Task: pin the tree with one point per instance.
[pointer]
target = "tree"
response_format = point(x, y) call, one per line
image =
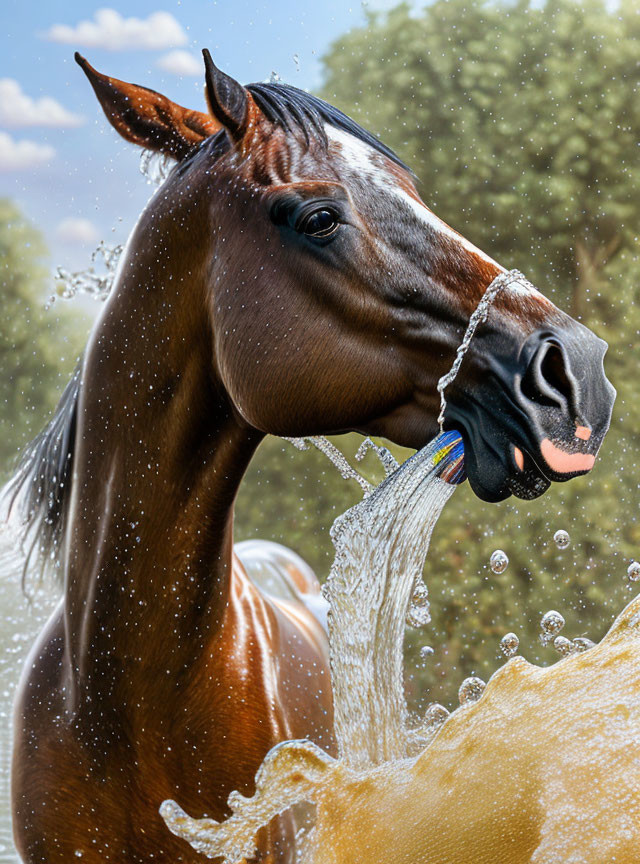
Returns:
point(38, 348)
point(520, 120)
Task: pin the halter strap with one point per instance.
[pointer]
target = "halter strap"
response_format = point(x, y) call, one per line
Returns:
point(480, 315)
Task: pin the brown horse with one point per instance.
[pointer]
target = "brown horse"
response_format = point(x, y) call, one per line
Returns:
point(285, 279)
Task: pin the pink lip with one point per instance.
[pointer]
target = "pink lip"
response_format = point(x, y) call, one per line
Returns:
point(565, 463)
point(517, 452)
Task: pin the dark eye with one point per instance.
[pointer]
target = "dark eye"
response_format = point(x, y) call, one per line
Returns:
point(320, 223)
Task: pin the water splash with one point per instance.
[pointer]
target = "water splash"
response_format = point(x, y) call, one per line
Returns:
point(335, 456)
point(95, 280)
point(381, 545)
point(156, 167)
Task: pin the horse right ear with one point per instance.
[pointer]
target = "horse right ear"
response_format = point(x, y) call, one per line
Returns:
point(228, 101)
point(147, 118)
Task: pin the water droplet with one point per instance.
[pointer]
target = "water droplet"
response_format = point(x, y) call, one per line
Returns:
point(509, 644)
point(78, 853)
point(436, 714)
point(633, 571)
point(498, 561)
point(418, 613)
point(551, 624)
point(563, 645)
point(426, 651)
point(581, 644)
point(561, 539)
point(471, 690)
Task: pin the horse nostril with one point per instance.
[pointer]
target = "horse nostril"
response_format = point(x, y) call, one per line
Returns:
point(547, 380)
point(554, 373)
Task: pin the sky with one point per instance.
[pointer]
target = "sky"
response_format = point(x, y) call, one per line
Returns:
point(60, 160)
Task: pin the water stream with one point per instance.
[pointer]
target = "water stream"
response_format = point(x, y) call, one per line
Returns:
point(375, 583)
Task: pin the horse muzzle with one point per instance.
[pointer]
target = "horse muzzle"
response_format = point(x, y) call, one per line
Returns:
point(531, 413)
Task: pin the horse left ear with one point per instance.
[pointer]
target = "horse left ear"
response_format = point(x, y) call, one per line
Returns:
point(228, 100)
point(147, 118)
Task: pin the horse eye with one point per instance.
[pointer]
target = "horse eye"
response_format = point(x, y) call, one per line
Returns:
point(320, 223)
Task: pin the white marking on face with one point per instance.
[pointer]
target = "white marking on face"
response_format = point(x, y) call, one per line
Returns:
point(359, 156)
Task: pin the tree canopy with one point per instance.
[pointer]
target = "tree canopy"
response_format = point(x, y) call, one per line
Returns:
point(38, 348)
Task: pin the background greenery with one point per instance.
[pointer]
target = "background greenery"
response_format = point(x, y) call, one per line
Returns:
point(522, 123)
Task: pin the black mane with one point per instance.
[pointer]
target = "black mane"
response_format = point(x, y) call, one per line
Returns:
point(288, 107)
point(38, 493)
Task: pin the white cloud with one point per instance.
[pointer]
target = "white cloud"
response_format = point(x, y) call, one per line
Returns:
point(181, 63)
point(18, 155)
point(111, 31)
point(18, 109)
point(74, 231)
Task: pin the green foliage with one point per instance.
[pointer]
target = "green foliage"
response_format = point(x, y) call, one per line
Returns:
point(519, 119)
point(522, 123)
point(38, 349)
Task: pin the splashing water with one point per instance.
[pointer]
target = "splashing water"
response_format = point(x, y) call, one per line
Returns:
point(156, 167)
point(335, 456)
point(381, 546)
point(92, 282)
point(97, 279)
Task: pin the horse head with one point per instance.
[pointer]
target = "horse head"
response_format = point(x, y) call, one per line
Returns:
point(336, 299)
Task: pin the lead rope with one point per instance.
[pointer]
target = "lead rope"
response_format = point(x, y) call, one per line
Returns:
point(502, 281)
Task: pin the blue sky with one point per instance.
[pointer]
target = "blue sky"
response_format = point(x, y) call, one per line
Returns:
point(60, 161)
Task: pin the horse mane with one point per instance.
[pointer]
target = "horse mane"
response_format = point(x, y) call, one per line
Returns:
point(289, 107)
point(38, 494)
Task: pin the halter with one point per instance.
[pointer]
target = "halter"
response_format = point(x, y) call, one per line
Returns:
point(480, 315)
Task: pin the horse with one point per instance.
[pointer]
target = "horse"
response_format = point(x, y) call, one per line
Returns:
point(285, 279)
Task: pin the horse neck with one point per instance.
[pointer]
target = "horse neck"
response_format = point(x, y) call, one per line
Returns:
point(159, 459)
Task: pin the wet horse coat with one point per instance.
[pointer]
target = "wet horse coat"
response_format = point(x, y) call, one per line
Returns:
point(285, 279)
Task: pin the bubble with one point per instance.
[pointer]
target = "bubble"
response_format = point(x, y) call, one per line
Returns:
point(561, 539)
point(471, 690)
point(418, 613)
point(436, 714)
point(551, 624)
point(426, 651)
point(563, 645)
point(509, 644)
point(498, 561)
point(581, 644)
point(633, 571)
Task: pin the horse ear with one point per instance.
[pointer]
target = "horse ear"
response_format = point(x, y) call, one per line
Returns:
point(228, 101)
point(147, 118)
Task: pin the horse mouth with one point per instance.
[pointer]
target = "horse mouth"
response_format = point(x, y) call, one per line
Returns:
point(497, 468)
point(529, 480)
